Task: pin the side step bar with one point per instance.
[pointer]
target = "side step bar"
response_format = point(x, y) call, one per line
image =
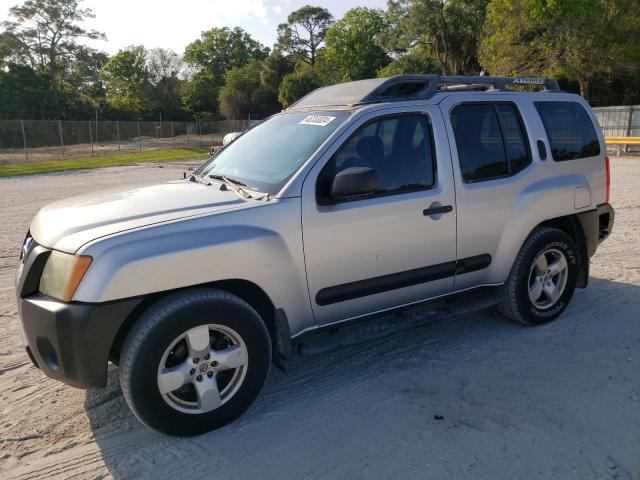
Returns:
point(381, 325)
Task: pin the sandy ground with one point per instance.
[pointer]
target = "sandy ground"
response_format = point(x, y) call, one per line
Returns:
point(560, 401)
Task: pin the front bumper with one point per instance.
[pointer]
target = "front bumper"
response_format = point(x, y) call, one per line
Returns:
point(71, 342)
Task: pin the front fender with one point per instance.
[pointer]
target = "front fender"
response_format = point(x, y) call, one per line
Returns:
point(262, 245)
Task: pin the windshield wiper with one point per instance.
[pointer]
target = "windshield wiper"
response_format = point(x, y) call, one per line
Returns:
point(233, 184)
point(227, 179)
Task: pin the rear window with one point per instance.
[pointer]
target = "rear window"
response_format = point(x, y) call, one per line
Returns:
point(569, 129)
point(490, 140)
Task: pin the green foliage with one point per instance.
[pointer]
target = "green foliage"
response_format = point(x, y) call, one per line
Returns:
point(126, 78)
point(44, 34)
point(236, 94)
point(221, 49)
point(304, 32)
point(351, 51)
point(215, 53)
point(253, 88)
point(576, 39)
point(46, 71)
point(296, 85)
point(274, 68)
point(448, 30)
point(414, 62)
point(24, 93)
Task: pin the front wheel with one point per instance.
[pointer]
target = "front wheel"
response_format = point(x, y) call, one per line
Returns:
point(194, 361)
point(542, 279)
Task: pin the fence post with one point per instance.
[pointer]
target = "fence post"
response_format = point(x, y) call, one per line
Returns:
point(24, 142)
point(91, 137)
point(173, 141)
point(629, 125)
point(200, 132)
point(139, 139)
point(188, 136)
point(61, 138)
point(118, 133)
point(158, 136)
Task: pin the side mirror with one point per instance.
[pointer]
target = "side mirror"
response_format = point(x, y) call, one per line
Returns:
point(354, 181)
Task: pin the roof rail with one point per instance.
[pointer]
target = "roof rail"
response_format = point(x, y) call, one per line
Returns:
point(410, 87)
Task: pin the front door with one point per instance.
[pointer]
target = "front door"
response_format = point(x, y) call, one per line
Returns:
point(394, 246)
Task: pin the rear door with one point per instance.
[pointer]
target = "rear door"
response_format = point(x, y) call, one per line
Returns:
point(379, 251)
point(491, 137)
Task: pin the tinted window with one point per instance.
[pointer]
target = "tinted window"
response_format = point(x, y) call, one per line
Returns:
point(515, 144)
point(569, 129)
point(490, 140)
point(400, 149)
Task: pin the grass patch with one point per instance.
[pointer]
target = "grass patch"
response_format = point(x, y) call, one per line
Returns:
point(106, 161)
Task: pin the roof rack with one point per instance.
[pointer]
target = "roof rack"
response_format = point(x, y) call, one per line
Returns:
point(411, 87)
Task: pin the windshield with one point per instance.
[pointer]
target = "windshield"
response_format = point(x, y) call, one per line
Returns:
point(266, 156)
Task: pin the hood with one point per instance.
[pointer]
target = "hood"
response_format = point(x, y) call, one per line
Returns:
point(68, 224)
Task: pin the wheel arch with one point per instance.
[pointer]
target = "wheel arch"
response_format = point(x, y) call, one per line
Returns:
point(571, 225)
point(274, 319)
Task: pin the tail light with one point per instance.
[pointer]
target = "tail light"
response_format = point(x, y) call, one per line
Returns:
point(608, 169)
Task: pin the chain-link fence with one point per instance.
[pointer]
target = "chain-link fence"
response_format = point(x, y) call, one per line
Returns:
point(620, 122)
point(40, 140)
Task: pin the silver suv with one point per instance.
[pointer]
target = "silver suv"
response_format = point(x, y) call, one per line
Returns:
point(361, 198)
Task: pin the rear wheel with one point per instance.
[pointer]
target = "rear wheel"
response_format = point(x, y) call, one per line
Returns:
point(194, 361)
point(542, 279)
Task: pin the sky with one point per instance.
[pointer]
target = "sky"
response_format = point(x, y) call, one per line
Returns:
point(173, 24)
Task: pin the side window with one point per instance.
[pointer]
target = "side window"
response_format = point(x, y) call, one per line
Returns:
point(569, 129)
point(400, 149)
point(490, 140)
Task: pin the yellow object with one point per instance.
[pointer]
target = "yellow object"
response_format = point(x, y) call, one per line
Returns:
point(622, 140)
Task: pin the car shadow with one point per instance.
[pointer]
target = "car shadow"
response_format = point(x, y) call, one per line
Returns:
point(455, 397)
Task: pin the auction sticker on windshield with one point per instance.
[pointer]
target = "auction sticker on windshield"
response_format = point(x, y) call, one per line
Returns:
point(318, 120)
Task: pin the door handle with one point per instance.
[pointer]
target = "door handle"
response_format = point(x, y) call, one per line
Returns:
point(437, 210)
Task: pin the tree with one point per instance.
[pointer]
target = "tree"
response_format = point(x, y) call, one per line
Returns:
point(576, 39)
point(211, 56)
point(415, 61)
point(126, 78)
point(163, 64)
point(351, 51)
point(24, 92)
point(253, 88)
point(296, 85)
point(448, 31)
point(304, 32)
point(274, 68)
point(236, 94)
point(48, 31)
point(166, 73)
point(221, 49)
point(85, 91)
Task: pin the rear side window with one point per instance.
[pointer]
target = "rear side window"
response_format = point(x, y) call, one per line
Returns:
point(490, 140)
point(569, 129)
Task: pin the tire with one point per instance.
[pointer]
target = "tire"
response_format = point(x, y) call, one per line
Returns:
point(527, 279)
point(163, 349)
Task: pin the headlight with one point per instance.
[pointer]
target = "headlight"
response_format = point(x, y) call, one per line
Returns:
point(62, 274)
